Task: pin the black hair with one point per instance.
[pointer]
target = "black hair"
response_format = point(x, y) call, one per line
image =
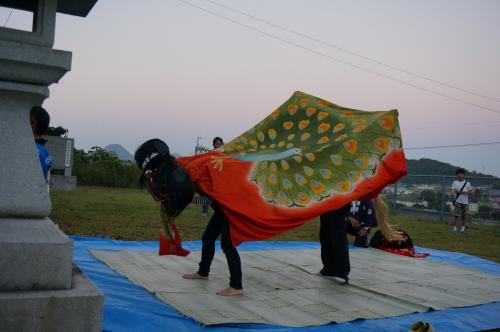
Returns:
point(460, 171)
point(42, 119)
point(163, 177)
point(148, 150)
point(217, 139)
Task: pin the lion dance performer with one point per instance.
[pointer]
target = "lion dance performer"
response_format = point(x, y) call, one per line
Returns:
point(306, 158)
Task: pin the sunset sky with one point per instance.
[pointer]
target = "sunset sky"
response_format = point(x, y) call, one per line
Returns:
point(161, 68)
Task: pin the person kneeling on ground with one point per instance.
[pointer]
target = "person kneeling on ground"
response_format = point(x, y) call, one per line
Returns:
point(361, 220)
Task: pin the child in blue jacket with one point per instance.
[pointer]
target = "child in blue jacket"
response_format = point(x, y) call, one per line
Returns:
point(40, 120)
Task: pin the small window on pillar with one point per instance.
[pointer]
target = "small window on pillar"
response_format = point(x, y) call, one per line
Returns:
point(18, 15)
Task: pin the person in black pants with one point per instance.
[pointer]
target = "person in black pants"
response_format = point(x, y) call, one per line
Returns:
point(219, 225)
point(333, 239)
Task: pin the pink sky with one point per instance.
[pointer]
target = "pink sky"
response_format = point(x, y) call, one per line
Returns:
point(170, 71)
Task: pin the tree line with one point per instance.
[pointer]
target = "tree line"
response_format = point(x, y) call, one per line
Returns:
point(99, 167)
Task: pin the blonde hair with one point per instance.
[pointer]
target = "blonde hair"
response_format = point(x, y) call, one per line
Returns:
point(382, 213)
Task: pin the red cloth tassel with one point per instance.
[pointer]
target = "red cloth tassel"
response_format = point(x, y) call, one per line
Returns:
point(410, 252)
point(171, 246)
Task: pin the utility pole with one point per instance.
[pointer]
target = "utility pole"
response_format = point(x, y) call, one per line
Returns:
point(443, 198)
point(197, 144)
point(395, 202)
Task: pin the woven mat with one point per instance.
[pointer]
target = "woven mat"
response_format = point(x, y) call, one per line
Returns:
point(282, 286)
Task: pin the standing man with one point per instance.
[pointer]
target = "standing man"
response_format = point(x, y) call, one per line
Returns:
point(334, 248)
point(462, 189)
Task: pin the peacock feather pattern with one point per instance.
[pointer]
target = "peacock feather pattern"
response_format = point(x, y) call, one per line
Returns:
point(309, 149)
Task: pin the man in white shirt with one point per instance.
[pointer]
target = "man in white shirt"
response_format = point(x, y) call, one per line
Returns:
point(462, 189)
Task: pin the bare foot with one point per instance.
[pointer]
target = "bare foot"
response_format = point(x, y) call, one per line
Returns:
point(230, 292)
point(194, 276)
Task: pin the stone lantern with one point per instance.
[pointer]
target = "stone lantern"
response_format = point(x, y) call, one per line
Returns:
point(40, 289)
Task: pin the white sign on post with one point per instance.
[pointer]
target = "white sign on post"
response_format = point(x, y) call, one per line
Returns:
point(67, 161)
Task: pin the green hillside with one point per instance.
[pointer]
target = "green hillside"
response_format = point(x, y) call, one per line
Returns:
point(426, 166)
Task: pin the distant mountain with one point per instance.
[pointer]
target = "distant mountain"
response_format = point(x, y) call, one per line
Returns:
point(436, 167)
point(123, 154)
point(120, 151)
point(426, 166)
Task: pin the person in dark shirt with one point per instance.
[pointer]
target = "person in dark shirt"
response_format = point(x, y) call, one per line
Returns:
point(361, 220)
point(217, 142)
point(39, 121)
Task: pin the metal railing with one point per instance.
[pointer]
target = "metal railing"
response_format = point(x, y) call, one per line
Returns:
point(431, 196)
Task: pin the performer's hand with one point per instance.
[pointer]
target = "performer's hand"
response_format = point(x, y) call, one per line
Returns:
point(401, 237)
point(353, 222)
point(363, 231)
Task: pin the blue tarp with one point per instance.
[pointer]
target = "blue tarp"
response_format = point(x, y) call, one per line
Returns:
point(128, 307)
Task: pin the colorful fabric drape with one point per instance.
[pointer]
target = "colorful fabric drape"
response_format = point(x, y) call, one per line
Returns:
point(409, 252)
point(307, 157)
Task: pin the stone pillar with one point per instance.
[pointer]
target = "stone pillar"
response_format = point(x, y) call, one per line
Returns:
point(39, 287)
point(23, 192)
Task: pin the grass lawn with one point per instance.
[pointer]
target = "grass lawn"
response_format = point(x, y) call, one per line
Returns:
point(130, 214)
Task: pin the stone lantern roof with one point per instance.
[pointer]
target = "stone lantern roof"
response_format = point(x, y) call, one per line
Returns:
point(39, 288)
point(71, 7)
point(44, 19)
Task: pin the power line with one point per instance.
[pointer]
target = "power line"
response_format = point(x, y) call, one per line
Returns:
point(451, 146)
point(408, 72)
point(451, 125)
point(8, 17)
point(286, 41)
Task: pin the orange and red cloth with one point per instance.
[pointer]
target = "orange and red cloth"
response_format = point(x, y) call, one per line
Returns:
point(307, 157)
